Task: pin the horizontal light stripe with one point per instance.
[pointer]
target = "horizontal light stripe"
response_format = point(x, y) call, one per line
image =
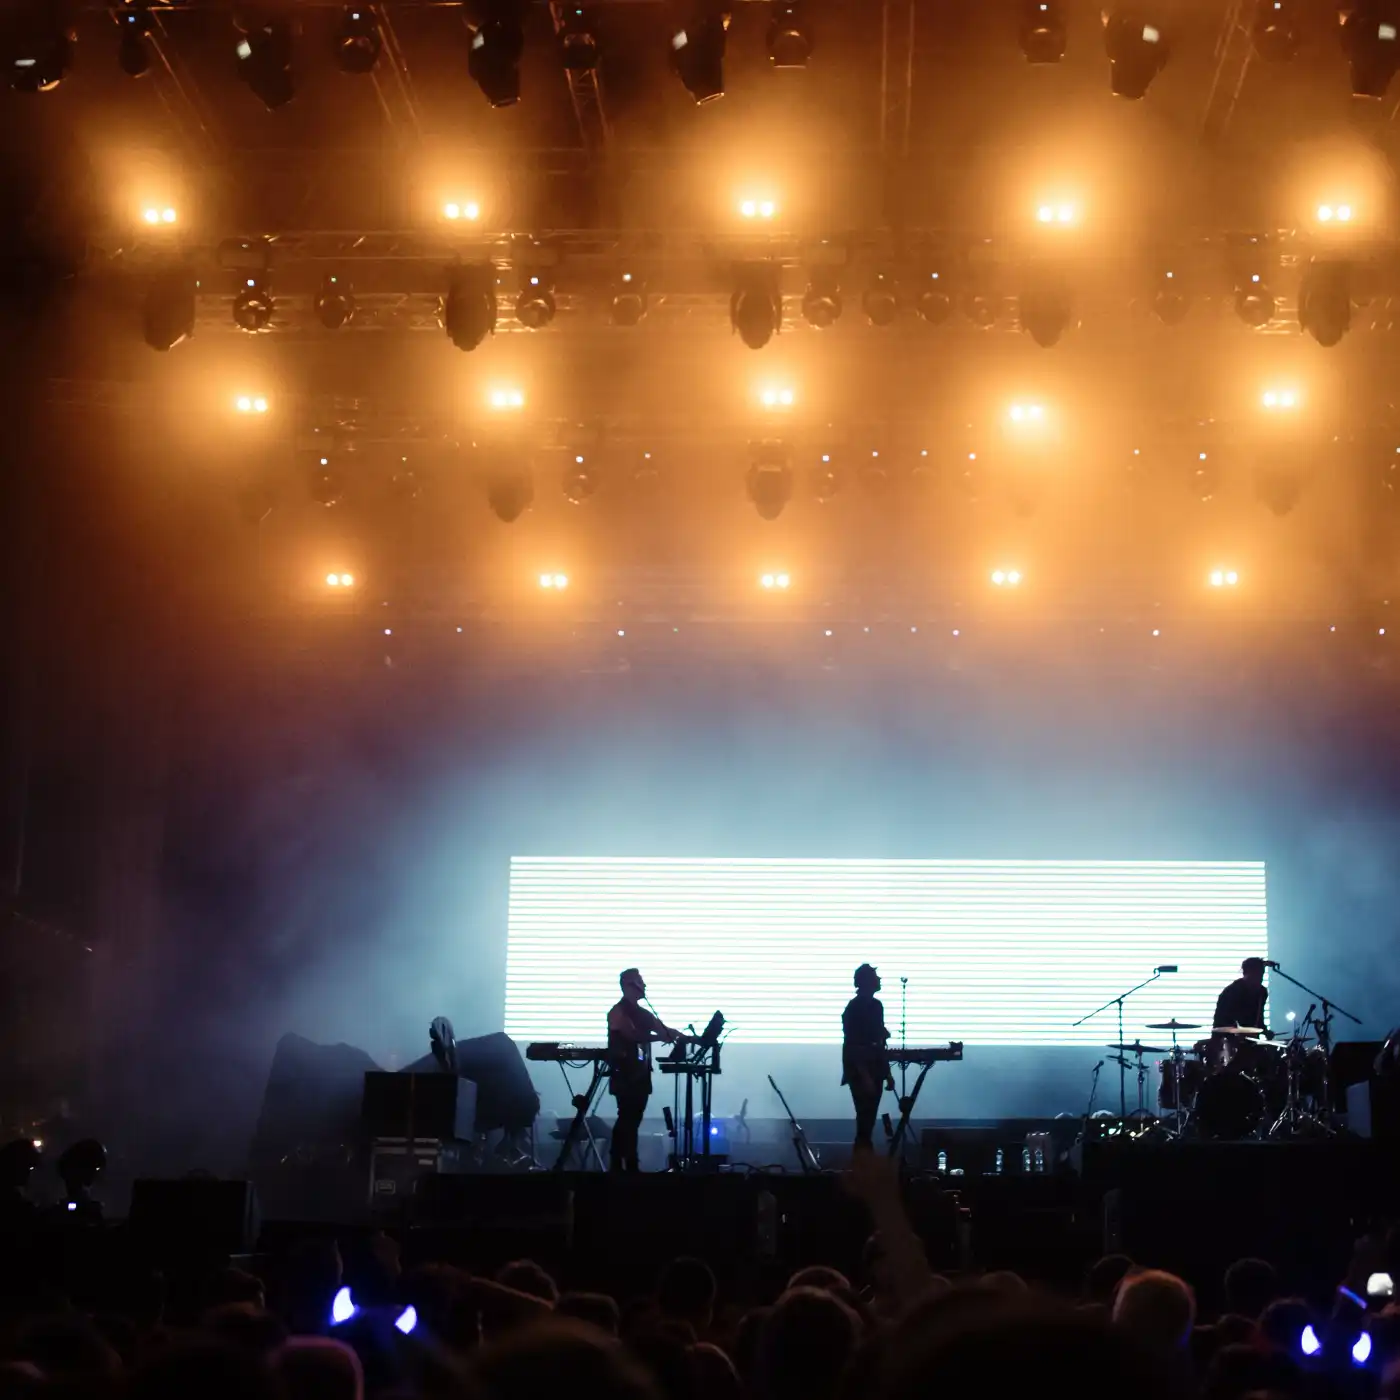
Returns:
point(996, 952)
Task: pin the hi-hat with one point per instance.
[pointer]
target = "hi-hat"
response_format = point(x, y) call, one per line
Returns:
point(1136, 1047)
point(1236, 1030)
point(1173, 1025)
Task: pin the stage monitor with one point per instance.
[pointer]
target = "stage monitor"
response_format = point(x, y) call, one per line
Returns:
point(997, 952)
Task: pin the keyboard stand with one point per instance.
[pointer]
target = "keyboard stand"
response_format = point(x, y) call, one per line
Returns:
point(583, 1108)
point(906, 1110)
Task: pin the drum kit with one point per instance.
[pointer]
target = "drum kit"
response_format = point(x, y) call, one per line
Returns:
point(1238, 1082)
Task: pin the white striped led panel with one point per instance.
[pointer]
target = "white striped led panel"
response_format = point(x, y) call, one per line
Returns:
point(996, 952)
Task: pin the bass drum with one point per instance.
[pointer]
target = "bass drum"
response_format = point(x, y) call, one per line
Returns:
point(1229, 1105)
point(1191, 1073)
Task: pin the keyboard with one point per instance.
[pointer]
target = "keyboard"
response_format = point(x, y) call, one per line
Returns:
point(553, 1050)
point(926, 1055)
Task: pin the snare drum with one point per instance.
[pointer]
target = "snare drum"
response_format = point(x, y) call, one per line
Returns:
point(1190, 1073)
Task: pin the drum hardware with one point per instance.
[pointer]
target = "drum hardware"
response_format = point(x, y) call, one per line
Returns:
point(1293, 1121)
point(1174, 1069)
point(1323, 1027)
point(1137, 1050)
point(1118, 1002)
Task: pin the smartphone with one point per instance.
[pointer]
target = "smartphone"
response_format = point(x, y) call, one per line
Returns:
point(1380, 1286)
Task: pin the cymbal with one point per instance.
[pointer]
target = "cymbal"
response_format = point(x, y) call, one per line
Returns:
point(1236, 1030)
point(1173, 1025)
point(1138, 1048)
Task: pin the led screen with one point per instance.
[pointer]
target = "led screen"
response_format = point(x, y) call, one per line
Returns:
point(995, 952)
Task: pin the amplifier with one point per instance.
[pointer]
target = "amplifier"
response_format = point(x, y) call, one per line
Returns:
point(399, 1166)
point(439, 1107)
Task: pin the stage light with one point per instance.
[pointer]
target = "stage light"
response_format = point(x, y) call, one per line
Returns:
point(768, 480)
point(1026, 413)
point(697, 52)
point(160, 217)
point(1329, 213)
point(775, 582)
point(497, 44)
point(1137, 50)
point(134, 24)
point(629, 300)
point(789, 42)
point(821, 303)
point(264, 53)
point(756, 304)
point(1061, 214)
point(1006, 578)
point(1254, 301)
point(1276, 30)
point(167, 315)
point(1169, 297)
point(503, 400)
point(470, 211)
point(1224, 578)
point(777, 398)
point(252, 306)
point(554, 582)
point(1324, 301)
point(1042, 31)
point(250, 403)
point(935, 302)
point(41, 51)
point(578, 41)
point(340, 580)
point(763, 209)
point(1279, 400)
point(469, 308)
point(880, 301)
point(580, 479)
point(510, 494)
point(534, 304)
point(1371, 38)
point(358, 42)
point(1046, 308)
point(335, 302)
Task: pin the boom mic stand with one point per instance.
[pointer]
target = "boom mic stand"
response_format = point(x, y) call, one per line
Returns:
point(1324, 1034)
point(1122, 1059)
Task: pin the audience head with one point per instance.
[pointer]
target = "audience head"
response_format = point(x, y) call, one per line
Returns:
point(245, 1326)
point(1104, 1276)
point(208, 1369)
point(525, 1276)
point(1250, 1286)
point(805, 1346)
point(596, 1309)
point(1156, 1308)
point(713, 1373)
point(1238, 1370)
point(318, 1368)
point(686, 1292)
point(819, 1276)
point(561, 1357)
point(1281, 1323)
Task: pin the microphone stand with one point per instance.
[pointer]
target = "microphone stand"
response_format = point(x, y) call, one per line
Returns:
point(1122, 1059)
point(1324, 1032)
point(903, 1035)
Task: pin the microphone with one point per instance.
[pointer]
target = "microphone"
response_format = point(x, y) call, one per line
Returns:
point(1165, 967)
point(1098, 1066)
point(1269, 963)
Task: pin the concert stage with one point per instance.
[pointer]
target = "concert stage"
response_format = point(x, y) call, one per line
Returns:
point(1193, 1207)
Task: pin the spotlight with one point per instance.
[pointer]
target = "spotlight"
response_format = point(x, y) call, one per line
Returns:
point(510, 495)
point(469, 308)
point(821, 303)
point(1324, 301)
point(1046, 309)
point(250, 403)
point(335, 302)
point(769, 478)
point(534, 305)
point(1224, 578)
point(756, 304)
point(1330, 213)
point(167, 316)
point(497, 43)
point(777, 398)
point(134, 24)
point(935, 299)
point(826, 480)
point(555, 582)
point(327, 485)
point(340, 580)
point(159, 218)
point(580, 479)
point(697, 52)
point(1279, 400)
point(779, 583)
point(1026, 413)
point(789, 44)
point(1042, 31)
point(880, 301)
point(1276, 31)
point(1371, 38)
point(252, 306)
point(504, 400)
point(757, 208)
point(1006, 578)
point(41, 53)
point(265, 61)
point(1169, 297)
point(1254, 301)
point(470, 211)
point(1137, 50)
point(358, 42)
point(629, 300)
point(578, 41)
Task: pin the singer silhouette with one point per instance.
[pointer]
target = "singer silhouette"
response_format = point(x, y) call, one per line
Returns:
point(631, 1031)
point(865, 1065)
